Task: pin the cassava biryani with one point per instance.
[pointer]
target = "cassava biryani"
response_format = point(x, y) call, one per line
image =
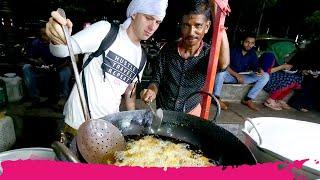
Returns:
point(150, 151)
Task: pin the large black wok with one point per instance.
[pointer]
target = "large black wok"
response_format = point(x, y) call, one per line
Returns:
point(214, 141)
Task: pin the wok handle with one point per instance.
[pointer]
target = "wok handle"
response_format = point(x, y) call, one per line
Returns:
point(63, 153)
point(255, 128)
point(209, 94)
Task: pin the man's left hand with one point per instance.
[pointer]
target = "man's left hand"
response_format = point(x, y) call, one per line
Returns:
point(260, 72)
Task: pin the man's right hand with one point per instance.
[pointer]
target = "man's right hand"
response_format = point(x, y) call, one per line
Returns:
point(36, 61)
point(54, 30)
point(148, 95)
point(239, 78)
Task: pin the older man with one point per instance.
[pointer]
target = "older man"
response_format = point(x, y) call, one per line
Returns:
point(182, 67)
point(123, 58)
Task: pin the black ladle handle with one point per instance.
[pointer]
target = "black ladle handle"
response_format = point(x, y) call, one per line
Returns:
point(63, 153)
point(218, 111)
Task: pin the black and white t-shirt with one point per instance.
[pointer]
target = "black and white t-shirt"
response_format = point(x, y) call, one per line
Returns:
point(104, 94)
point(177, 78)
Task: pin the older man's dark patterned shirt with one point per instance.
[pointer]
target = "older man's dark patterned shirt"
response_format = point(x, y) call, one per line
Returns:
point(177, 78)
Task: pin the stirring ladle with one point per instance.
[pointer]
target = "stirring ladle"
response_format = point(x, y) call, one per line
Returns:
point(97, 139)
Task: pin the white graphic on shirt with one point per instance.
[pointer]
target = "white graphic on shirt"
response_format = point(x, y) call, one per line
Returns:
point(119, 67)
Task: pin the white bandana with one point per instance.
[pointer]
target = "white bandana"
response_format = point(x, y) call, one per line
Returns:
point(149, 7)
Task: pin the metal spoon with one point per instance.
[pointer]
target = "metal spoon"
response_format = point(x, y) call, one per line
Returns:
point(157, 117)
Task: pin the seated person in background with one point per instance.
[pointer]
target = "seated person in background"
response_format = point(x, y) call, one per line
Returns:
point(243, 59)
point(281, 83)
point(307, 61)
point(182, 65)
point(56, 71)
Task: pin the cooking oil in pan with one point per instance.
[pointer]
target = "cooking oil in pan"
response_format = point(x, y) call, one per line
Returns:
point(156, 151)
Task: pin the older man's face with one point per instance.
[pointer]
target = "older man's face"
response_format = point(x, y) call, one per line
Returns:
point(193, 29)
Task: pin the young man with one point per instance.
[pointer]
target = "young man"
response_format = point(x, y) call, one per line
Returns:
point(122, 58)
point(243, 59)
point(182, 67)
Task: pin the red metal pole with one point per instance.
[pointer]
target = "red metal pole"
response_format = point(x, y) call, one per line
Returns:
point(219, 16)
